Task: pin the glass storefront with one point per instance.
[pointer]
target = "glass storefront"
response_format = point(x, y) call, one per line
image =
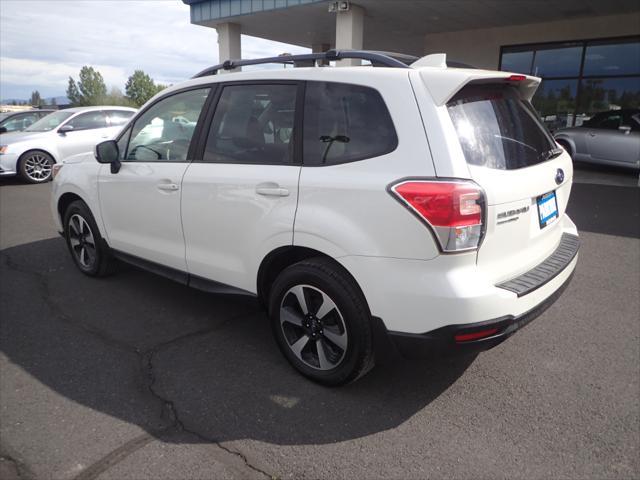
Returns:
point(579, 79)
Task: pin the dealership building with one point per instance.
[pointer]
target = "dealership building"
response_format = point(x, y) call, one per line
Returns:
point(586, 51)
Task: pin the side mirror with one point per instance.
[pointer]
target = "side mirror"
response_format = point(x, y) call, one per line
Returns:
point(108, 152)
point(624, 128)
point(3, 129)
point(65, 129)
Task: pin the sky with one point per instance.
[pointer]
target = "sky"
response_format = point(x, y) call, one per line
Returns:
point(44, 42)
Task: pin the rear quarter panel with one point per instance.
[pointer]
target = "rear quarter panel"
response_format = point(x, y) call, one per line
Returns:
point(346, 209)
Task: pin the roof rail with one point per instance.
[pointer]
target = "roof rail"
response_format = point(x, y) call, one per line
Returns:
point(377, 59)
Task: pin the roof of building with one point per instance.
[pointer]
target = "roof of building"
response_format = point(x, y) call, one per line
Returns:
point(391, 24)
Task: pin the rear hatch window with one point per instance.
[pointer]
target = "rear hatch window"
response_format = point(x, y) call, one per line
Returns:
point(498, 129)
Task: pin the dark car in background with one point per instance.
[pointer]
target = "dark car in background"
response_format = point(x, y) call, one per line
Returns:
point(18, 121)
point(607, 138)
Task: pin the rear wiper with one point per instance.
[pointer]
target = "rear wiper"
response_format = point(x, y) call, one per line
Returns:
point(550, 154)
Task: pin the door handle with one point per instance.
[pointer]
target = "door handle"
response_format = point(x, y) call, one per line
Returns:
point(591, 134)
point(271, 190)
point(168, 187)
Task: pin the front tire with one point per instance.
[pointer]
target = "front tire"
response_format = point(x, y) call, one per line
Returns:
point(88, 250)
point(36, 166)
point(321, 322)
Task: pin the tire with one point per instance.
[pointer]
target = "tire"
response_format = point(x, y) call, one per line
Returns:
point(89, 251)
point(333, 343)
point(36, 166)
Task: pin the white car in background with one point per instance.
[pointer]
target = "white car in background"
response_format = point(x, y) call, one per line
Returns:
point(32, 152)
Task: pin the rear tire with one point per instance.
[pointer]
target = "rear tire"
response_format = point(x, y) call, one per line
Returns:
point(36, 166)
point(89, 251)
point(321, 322)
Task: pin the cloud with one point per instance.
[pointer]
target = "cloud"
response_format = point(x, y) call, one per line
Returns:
point(16, 71)
point(42, 43)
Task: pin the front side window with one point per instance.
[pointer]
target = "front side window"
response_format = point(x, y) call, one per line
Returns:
point(163, 133)
point(498, 129)
point(122, 144)
point(51, 121)
point(88, 121)
point(345, 123)
point(253, 124)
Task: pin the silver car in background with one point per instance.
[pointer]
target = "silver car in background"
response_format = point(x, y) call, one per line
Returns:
point(32, 152)
point(607, 138)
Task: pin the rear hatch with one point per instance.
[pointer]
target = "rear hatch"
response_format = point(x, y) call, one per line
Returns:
point(526, 177)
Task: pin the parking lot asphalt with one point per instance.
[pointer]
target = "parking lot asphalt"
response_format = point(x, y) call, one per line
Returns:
point(136, 377)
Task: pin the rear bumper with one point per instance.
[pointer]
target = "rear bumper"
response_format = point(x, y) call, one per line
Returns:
point(417, 296)
point(441, 342)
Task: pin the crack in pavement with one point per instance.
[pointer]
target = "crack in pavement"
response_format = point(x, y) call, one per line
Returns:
point(168, 409)
point(15, 466)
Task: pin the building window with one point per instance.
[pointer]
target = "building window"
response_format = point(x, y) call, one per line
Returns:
point(579, 79)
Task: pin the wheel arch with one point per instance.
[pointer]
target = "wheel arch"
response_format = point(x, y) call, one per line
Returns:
point(67, 199)
point(280, 258)
point(31, 150)
point(567, 144)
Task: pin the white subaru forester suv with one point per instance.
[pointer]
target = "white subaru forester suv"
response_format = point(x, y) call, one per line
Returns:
point(405, 205)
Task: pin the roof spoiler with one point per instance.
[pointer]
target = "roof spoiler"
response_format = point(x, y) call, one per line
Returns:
point(444, 84)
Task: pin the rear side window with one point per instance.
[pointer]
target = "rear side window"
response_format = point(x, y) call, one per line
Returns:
point(119, 117)
point(345, 123)
point(88, 121)
point(253, 124)
point(497, 129)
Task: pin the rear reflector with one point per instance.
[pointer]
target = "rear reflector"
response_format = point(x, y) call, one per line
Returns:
point(467, 337)
point(453, 210)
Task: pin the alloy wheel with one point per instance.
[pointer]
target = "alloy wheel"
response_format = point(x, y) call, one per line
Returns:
point(313, 327)
point(37, 167)
point(82, 241)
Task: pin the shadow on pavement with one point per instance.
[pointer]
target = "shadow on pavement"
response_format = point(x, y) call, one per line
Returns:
point(159, 355)
point(607, 209)
point(8, 181)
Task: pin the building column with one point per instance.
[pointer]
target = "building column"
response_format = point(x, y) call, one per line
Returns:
point(350, 32)
point(321, 48)
point(229, 43)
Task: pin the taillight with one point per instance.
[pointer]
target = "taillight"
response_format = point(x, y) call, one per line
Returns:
point(453, 210)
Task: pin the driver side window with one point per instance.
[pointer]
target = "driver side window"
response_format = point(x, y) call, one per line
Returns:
point(163, 133)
